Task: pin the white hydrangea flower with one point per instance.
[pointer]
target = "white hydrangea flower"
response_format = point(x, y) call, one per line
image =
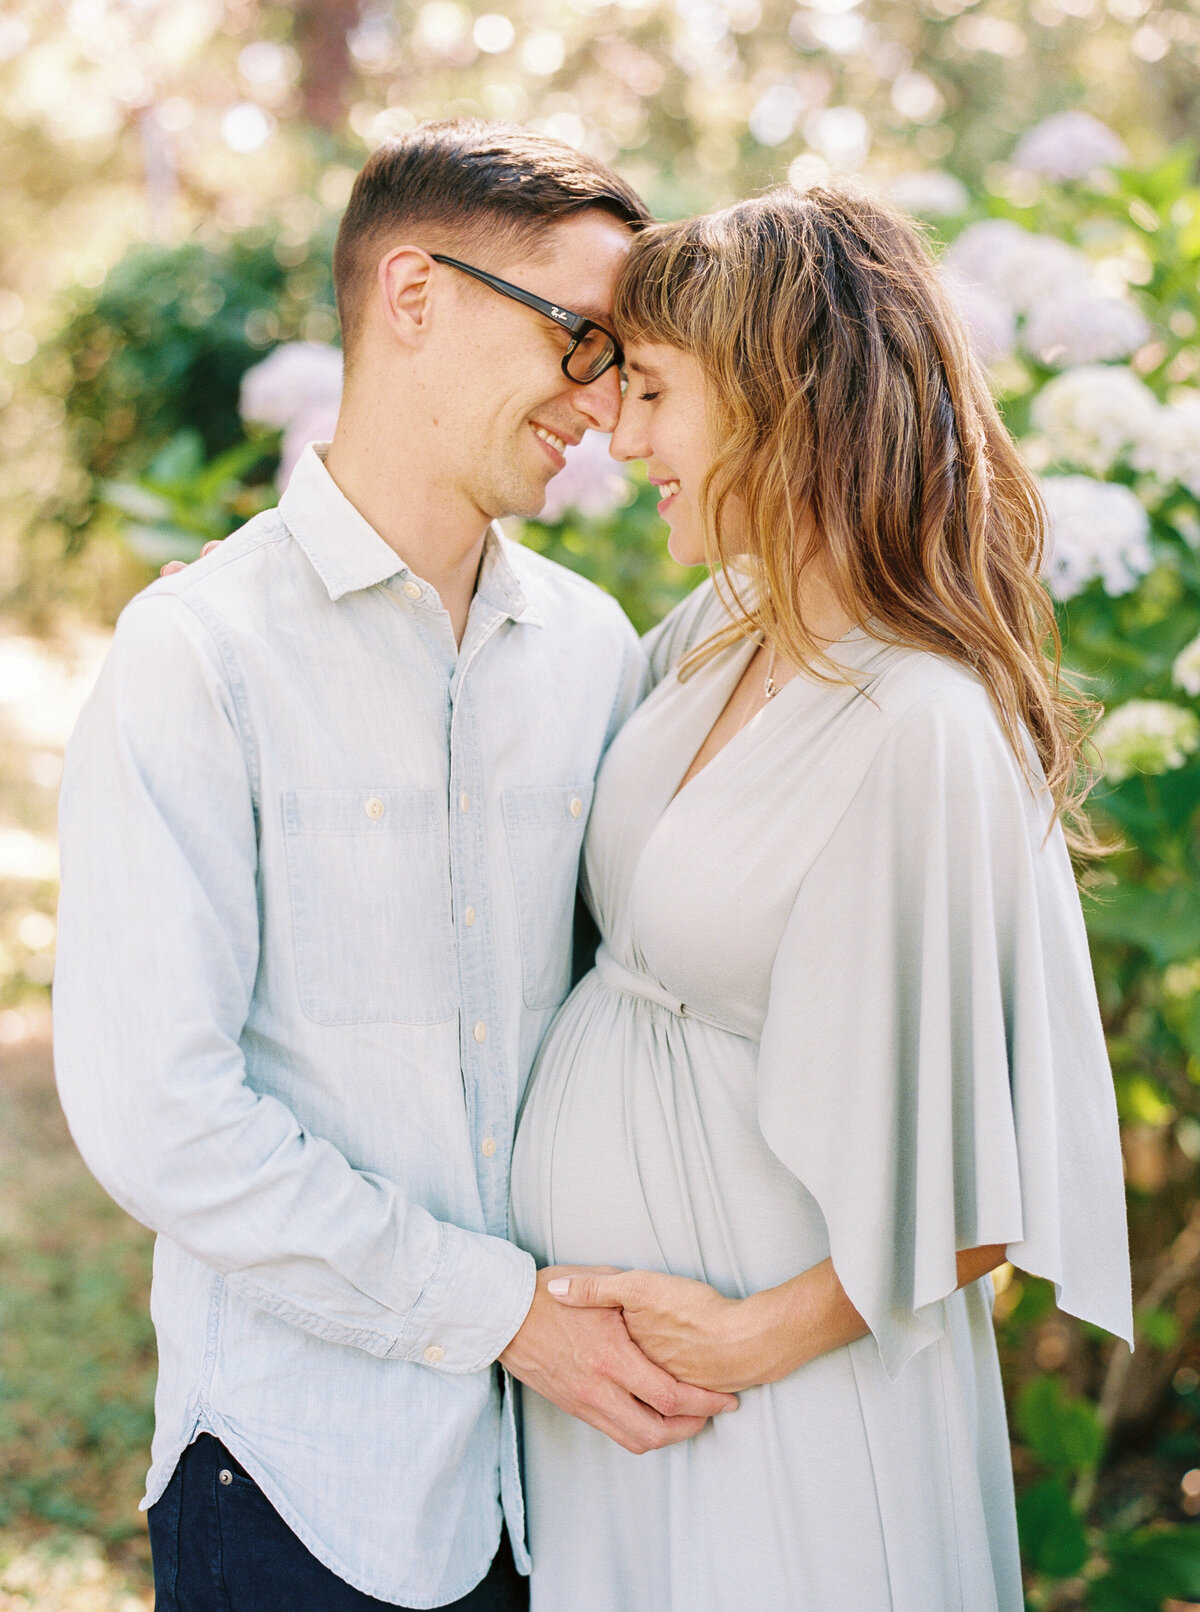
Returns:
point(1093, 415)
point(1014, 264)
point(1186, 670)
point(990, 323)
point(1169, 447)
point(1075, 326)
point(1097, 529)
point(1146, 736)
point(297, 377)
point(1069, 145)
point(592, 482)
point(929, 193)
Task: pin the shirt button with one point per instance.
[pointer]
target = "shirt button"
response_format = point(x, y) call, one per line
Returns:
point(375, 807)
point(576, 806)
point(434, 1353)
point(488, 1146)
point(225, 1476)
point(469, 915)
point(464, 802)
point(481, 1031)
point(413, 589)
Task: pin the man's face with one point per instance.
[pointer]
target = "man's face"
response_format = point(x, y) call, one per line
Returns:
point(505, 391)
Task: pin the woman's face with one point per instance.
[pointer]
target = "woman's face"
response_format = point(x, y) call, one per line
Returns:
point(664, 420)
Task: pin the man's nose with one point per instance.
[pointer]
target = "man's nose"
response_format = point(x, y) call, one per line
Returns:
point(600, 401)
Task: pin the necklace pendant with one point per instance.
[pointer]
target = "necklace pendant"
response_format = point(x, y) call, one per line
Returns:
point(770, 687)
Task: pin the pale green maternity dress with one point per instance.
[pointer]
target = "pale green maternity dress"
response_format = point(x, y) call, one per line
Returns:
point(843, 1007)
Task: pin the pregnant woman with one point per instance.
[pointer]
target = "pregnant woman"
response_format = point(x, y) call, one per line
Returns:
point(841, 1053)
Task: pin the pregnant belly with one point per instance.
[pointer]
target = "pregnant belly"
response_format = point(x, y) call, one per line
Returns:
point(639, 1146)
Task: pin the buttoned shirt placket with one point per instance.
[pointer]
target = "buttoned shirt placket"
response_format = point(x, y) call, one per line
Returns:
point(488, 1089)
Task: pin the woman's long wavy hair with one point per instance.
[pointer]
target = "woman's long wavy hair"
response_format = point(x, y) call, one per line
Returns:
point(854, 424)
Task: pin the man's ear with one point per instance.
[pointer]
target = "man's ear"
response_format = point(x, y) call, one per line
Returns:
point(404, 280)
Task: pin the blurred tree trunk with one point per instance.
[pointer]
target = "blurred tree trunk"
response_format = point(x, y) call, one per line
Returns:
point(319, 35)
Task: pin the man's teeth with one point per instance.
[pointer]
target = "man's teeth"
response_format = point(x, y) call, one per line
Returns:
point(548, 436)
point(668, 488)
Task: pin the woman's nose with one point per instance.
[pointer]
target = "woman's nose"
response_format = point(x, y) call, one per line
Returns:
point(627, 440)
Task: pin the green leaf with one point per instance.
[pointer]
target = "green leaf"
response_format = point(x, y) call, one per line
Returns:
point(180, 460)
point(134, 500)
point(1063, 1432)
point(1148, 1568)
point(1052, 1537)
point(1158, 1327)
point(1165, 923)
point(158, 544)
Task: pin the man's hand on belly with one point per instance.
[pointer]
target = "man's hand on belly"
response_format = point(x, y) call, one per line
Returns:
point(585, 1362)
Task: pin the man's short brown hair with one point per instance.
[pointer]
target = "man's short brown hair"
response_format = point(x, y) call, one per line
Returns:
point(468, 180)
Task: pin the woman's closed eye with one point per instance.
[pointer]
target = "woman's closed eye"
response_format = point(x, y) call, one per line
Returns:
point(647, 397)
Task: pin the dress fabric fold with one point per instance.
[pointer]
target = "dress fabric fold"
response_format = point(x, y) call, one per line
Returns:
point(844, 1008)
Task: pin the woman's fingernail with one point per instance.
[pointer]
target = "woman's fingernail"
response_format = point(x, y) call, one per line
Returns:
point(560, 1286)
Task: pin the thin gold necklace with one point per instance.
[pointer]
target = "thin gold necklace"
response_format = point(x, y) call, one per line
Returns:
point(770, 687)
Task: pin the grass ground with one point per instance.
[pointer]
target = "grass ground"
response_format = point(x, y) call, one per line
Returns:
point(77, 1362)
point(76, 1347)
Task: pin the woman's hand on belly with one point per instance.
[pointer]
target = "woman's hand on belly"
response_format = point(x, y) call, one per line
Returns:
point(701, 1337)
point(689, 1329)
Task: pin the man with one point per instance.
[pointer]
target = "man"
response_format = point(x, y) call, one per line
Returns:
point(321, 822)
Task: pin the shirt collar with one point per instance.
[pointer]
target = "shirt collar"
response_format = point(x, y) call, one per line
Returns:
point(348, 554)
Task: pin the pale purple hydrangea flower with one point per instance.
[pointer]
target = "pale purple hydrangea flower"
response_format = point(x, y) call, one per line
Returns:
point(990, 323)
point(1069, 145)
point(1095, 415)
point(314, 425)
point(1079, 327)
point(929, 193)
point(1097, 529)
point(1015, 265)
point(297, 389)
point(592, 482)
point(296, 377)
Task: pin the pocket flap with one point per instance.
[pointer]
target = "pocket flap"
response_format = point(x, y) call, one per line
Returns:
point(362, 811)
point(541, 806)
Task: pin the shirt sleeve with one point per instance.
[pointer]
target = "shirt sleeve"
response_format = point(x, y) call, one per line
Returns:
point(933, 1067)
point(157, 958)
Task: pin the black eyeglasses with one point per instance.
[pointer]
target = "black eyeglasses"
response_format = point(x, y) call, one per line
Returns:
point(593, 350)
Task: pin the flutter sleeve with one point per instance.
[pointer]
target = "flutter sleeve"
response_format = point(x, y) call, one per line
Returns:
point(933, 1068)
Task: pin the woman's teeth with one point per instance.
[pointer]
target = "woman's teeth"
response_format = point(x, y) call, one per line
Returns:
point(548, 436)
point(668, 488)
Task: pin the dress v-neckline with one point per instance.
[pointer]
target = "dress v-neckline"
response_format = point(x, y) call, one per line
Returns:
point(740, 664)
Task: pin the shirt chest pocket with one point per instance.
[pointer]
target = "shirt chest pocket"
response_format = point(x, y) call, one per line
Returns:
point(369, 876)
point(544, 828)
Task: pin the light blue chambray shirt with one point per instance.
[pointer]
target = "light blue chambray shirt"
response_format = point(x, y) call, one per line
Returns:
point(318, 880)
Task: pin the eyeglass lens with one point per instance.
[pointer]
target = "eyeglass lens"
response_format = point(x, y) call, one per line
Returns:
point(592, 356)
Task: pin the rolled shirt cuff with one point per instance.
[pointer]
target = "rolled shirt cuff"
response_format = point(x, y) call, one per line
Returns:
point(472, 1306)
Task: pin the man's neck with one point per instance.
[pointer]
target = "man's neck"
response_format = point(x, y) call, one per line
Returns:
point(411, 513)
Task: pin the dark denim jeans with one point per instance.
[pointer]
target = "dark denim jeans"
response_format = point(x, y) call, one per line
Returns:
point(220, 1546)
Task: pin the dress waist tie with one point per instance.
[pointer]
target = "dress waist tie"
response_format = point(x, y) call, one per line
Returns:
point(628, 981)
